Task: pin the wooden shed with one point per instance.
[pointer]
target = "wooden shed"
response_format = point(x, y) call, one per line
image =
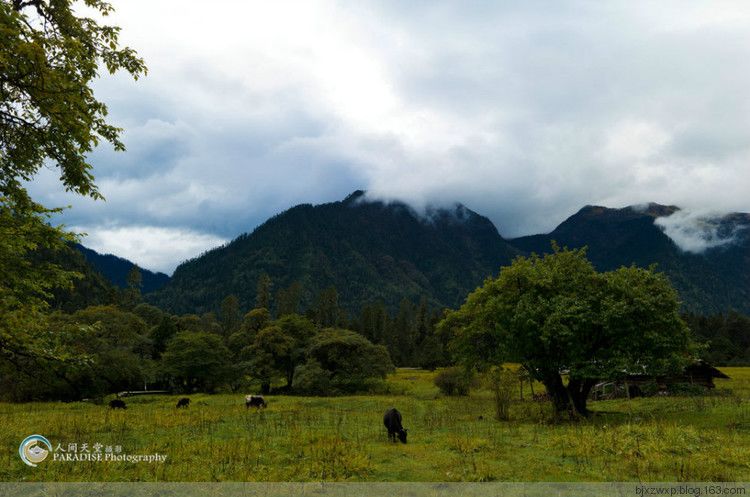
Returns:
point(699, 373)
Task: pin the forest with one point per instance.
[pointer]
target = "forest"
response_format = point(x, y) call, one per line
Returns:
point(123, 343)
point(114, 341)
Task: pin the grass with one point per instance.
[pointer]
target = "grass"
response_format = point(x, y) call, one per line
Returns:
point(343, 439)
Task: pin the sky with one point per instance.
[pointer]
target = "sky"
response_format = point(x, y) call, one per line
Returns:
point(522, 111)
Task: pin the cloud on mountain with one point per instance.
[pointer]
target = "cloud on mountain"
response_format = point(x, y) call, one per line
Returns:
point(523, 111)
point(696, 232)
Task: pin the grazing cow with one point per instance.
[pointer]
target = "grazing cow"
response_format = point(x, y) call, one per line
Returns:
point(392, 422)
point(117, 404)
point(256, 401)
point(183, 402)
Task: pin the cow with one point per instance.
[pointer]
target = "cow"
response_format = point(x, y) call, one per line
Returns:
point(392, 422)
point(117, 404)
point(183, 402)
point(256, 401)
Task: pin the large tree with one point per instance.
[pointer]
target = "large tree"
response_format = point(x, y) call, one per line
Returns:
point(230, 317)
point(49, 56)
point(99, 350)
point(561, 318)
point(278, 349)
point(196, 361)
point(348, 359)
point(269, 356)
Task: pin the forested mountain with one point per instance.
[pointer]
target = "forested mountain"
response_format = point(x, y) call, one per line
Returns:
point(102, 281)
point(92, 288)
point(374, 251)
point(713, 281)
point(368, 250)
point(116, 270)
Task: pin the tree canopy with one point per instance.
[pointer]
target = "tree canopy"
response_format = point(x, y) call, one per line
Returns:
point(347, 359)
point(49, 56)
point(196, 361)
point(559, 317)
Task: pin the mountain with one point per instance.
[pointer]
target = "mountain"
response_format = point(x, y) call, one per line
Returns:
point(714, 280)
point(368, 250)
point(115, 270)
point(92, 288)
point(372, 250)
point(102, 277)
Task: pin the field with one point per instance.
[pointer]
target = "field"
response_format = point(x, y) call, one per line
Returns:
point(703, 438)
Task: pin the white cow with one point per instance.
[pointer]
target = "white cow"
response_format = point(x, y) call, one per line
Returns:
point(256, 401)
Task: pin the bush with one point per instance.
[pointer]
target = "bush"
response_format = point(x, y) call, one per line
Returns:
point(382, 387)
point(312, 379)
point(649, 389)
point(502, 382)
point(351, 361)
point(454, 381)
point(686, 389)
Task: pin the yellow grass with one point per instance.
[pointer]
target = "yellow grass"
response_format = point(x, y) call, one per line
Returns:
point(342, 438)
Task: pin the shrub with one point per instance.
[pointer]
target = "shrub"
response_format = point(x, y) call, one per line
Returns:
point(351, 362)
point(686, 389)
point(502, 382)
point(454, 381)
point(312, 379)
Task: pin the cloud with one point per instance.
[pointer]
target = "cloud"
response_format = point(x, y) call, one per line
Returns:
point(153, 142)
point(523, 111)
point(697, 232)
point(157, 249)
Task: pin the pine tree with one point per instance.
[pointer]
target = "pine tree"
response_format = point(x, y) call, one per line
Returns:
point(263, 292)
point(230, 317)
point(288, 299)
point(327, 312)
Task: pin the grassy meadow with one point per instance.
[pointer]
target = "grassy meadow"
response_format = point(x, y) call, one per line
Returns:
point(703, 438)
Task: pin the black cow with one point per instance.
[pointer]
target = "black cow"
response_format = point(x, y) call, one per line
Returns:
point(183, 402)
point(117, 404)
point(256, 401)
point(392, 422)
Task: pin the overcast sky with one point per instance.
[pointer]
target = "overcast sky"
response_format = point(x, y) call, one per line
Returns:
point(523, 111)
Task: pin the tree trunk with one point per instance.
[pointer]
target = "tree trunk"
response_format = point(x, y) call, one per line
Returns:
point(579, 392)
point(289, 378)
point(558, 392)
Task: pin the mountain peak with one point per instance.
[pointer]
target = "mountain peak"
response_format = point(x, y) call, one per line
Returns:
point(355, 196)
point(710, 277)
point(370, 250)
point(654, 210)
point(650, 209)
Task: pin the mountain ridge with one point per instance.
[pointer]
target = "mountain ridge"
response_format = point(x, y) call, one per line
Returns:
point(373, 250)
point(115, 269)
point(368, 249)
point(710, 281)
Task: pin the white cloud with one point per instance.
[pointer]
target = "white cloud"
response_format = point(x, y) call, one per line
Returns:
point(696, 232)
point(524, 111)
point(154, 248)
point(635, 141)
